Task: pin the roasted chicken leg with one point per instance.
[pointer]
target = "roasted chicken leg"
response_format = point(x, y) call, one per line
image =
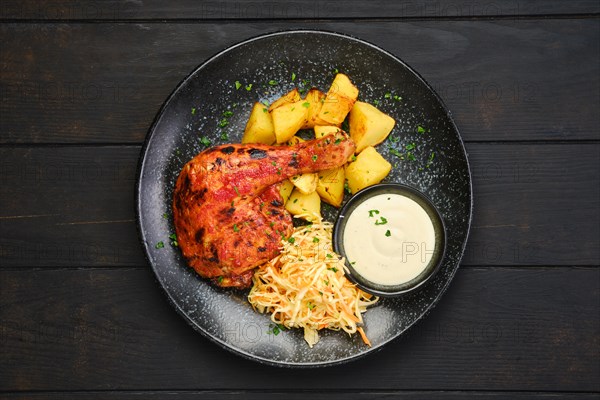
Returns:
point(229, 215)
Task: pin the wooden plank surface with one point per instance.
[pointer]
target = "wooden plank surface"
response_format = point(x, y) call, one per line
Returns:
point(496, 329)
point(535, 204)
point(299, 395)
point(502, 80)
point(303, 9)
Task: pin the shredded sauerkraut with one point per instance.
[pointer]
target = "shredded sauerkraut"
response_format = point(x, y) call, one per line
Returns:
point(305, 286)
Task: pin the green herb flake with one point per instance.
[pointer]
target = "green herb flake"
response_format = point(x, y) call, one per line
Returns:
point(273, 82)
point(410, 156)
point(159, 245)
point(388, 95)
point(314, 158)
point(396, 153)
point(337, 141)
point(375, 102)
point(165, 216)
point(310, 305)
point(316, 240)
point(220, 279)
point(249, 87)
point(271, 224)
point(420, 129)
point(173, 236)
point(381, 221)
point(328, 255)
point(238, 85)
point(227, 114)
point(334, 269)
point(295, 201)
point(224, 136)
point(373, 212)
point(397, 98)
point(291, 240)
point(336, 71)
point(388, 233)
point(235, 228)
point(193, 110)
point(236, 190)
point(205, 141)
point(306, 104)
point(223, 123)
point(265, 110)
point(293, 76)
point(410, 146)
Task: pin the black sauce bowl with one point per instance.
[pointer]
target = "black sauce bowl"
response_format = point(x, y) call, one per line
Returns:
point(438, 226)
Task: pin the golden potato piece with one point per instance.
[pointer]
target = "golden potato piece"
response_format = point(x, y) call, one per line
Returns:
point(331, 186)
point(259, 128)
point(286, 190)
point(315, 99)
point(339, 100)
point(368, 169)
point(288, 118)
point(290, 97)
point(368, 125)
point(300, 203)
point(305, 183)
point(324, 130)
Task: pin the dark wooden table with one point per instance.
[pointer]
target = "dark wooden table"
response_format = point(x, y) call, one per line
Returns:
point(81, 316)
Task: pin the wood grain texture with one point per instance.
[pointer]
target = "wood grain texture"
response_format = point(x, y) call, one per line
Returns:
point(502, 80)
point(496, 329)
point(299, 395)
point(303, 9)
point(535, 204)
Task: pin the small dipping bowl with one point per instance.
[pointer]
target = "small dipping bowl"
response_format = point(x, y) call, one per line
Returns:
point(391, 239)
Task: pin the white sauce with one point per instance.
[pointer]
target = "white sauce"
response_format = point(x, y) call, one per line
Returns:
point(392, 252)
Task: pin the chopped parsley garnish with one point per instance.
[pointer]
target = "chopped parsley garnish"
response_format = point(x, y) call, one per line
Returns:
point(397, 98)
point(224, 136)
point(249, 87)
point(165, 216)
point(376, 102)
point(159, 245)
point(235, 228)
point(220, 279)
point(310, 305)
point(388, 233)
point(328, 255)
point(273, 82)
point(291, 240)
point(410, 156)
point(336, 71)
point(306, 104)
point(205, 141)
point(315, 240)
point(420, 129)
point(388, 95)
point(396, 153)
point(237, 85)
point(410, 146)
point(193, 110)
point(372, 212)
point(173, 236)
point(223, 123)
point(430, 160)
point(314, 158)
point(334, 269)
point(275, 329)
point(381, 221)
point(227, 113)
point(337, 141)
point(293, 77)
point(236, 190)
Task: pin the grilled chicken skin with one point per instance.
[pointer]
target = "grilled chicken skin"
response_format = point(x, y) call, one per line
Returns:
point(229, 216)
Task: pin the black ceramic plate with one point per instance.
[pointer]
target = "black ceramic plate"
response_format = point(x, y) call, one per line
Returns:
point(209, 108)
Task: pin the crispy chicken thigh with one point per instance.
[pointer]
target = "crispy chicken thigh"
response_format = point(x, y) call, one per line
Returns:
point(229, 215)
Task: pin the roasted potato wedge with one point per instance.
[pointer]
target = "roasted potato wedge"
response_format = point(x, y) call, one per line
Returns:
point(330, 186)
point(324, 130)
point(259, 128)
point(368, 169)
point(288, 118)
point(300, 203)
point(340, 98)
point(290, 97)
point(285, 190)
point(315, 99)
point(368, 125)
point(305, 183)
